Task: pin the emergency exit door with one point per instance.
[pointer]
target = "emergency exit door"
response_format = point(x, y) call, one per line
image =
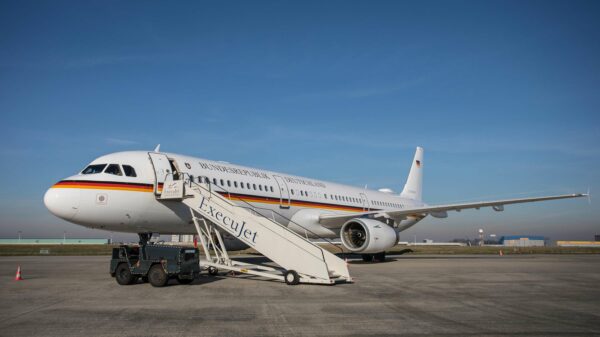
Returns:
point(284, 192)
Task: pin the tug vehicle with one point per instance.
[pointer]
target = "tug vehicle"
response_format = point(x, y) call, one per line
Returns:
point(154, 263)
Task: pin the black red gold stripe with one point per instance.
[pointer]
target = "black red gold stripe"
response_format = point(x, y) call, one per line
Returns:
point(138, 187)
point(297, 203)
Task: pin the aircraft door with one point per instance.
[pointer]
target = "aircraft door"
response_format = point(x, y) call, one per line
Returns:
point(364, 201)
point(162, 168)
point(284, 193)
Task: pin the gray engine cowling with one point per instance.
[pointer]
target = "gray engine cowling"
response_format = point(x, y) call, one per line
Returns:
point(367, 236)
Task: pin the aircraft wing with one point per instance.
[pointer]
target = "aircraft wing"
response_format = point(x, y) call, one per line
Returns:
point(337, 220)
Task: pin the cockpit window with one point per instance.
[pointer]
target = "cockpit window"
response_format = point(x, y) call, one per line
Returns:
point(92, 169)
point(129, 171)
point(113, 169)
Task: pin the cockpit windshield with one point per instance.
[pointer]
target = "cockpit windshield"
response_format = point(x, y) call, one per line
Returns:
point(114, 169)
point(92, 169)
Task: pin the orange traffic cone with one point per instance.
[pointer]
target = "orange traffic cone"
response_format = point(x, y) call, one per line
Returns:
point(18, 276)
point(501, 253)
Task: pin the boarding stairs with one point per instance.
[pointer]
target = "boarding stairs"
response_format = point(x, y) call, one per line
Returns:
point(301, 261)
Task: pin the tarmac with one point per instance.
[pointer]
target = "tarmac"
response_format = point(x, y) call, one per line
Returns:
point(482, 295)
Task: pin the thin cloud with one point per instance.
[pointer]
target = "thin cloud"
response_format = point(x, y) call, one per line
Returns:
point(118, 141)
point(95, 61)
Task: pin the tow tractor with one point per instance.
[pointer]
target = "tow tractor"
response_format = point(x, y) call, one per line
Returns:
point(154, 263)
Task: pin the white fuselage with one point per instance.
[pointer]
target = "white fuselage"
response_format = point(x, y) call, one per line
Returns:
point(127, 203)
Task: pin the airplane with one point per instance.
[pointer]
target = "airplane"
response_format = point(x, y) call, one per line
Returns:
point(118, 192)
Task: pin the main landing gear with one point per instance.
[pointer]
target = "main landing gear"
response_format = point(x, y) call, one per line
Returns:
point(377, 257)
point(144, 238)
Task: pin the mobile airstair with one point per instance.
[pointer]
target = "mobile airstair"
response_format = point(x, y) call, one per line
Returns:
point(301, 261)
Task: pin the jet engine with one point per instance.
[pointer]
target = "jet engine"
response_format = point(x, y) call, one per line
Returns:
point(367, 236)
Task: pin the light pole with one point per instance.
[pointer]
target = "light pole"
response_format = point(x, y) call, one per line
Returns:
point(481, 237)
point(64, 236)
point(19, 236)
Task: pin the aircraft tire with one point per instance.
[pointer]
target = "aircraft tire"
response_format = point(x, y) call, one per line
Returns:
point(157, 276)
point(367, 257)
point(213, 271)
point(123, 275)
point(379, 257)
point(291, 277)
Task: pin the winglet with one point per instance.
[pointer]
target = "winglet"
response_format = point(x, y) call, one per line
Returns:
point(157, 149)
point(589, 196)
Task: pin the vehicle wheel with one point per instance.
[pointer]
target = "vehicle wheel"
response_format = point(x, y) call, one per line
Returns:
point(184, 280)
point(157, 276)
point(291, 277)
point(123, 275)
point(213, 271)
point(379, 257)
point(145, 279)
point(367, 257)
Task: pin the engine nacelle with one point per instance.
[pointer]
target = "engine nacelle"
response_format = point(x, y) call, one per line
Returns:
point(367, 236)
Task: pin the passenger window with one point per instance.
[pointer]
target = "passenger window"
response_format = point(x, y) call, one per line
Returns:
point(254, 187)
point(222, 183)
point(292, 191)
point(93, 169)
point(129, 171)
point(228, 183)
point(235, 184)
point(113, 169)
point(260, 187)
point(248, 185)
point(325, 195)
point(242, 185)
point(214, 181)
point(271, 188)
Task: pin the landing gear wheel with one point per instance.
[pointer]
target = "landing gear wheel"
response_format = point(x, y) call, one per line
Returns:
point(184, 280)
point(157, 276)
point(379, 257)
point(213, 271)
point(367, 257)
point(291, 277)
point(123, 275)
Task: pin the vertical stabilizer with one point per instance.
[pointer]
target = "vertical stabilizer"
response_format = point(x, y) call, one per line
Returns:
point(414, 183)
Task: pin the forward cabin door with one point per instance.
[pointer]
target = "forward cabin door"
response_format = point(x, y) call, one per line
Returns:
point(284, 192)
point(364, 201)
point(162, 168)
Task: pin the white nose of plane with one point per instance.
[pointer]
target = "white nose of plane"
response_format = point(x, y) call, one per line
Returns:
point(62, 202)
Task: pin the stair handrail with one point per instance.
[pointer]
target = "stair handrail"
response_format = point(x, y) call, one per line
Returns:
point(252, 207)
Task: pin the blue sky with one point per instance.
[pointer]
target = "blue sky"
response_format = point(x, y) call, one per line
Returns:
point(503, 95)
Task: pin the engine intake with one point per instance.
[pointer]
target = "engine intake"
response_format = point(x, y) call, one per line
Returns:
point(367, 236)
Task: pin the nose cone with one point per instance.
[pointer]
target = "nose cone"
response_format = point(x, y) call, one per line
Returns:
point(62, 202)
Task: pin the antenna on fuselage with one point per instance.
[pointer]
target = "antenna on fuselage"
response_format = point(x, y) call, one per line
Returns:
point(157, 149)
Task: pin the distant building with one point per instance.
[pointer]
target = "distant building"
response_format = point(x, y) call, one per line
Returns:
point(58, 241)
point(596, 237)
point(522, 241)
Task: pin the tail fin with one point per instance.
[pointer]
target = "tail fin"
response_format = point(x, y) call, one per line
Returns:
point(414, 183)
